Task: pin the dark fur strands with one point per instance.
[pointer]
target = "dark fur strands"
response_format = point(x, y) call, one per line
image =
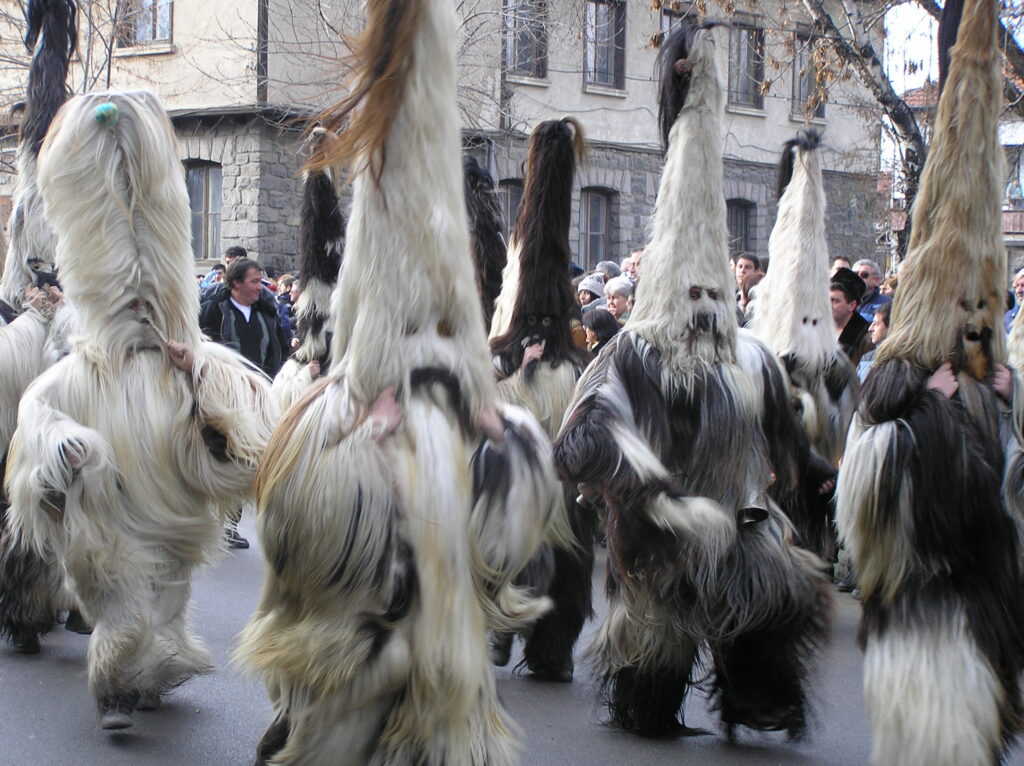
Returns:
point(571, 591)
point(808, 139)
point(674, 80)
point(321, 231)
point(321, 248)
point(54, 21)
point(383, 58)
point(489, 249)
point(949, 26)
point(544, 299)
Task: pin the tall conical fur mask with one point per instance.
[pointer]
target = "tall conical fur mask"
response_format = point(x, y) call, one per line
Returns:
point(543, 302)
point(321, 248)
point(115, 194)
point(684, 303)
point(793, 315)
point(489, 248)
point(52, 35)
point(950, 302)
point(406, 298)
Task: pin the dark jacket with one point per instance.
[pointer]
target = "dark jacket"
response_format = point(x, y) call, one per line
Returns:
point(218, 319)
point(855, 340)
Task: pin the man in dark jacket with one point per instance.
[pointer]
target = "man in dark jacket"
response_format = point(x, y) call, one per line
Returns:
point(846, 291)
point(243, 316)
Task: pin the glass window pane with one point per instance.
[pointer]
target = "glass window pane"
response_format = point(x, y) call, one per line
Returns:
point(163, 20)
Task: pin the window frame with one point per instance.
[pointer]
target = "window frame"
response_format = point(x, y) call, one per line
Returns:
point(509, 189)
point(805, 78)
point(750, 71)
point(529, 17)
point(735, 207)
point(210, 220)
point(614, 47)
point(674, 14)
point(128, 37)
point(583, 249)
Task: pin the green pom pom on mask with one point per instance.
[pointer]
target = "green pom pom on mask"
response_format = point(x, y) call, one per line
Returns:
point(106, 114)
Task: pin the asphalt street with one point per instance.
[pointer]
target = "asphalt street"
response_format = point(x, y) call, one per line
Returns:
point(48, 717)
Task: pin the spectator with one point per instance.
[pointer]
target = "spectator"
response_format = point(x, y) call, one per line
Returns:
point(840, 262)
point(284, 303)
point(609, 269)
point(889, 286)
point(591, 292)
point(1018, 293)
point(851, 328)
point(631, 266)
point(868, 270)
point(601, 327)
point(617, 292)
point(211, 280)
point(240, 315)
point(748, 272)
point(878, 329)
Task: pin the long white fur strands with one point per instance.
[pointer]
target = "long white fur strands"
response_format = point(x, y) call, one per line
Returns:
point(121, 461)
point(681, 256)
point(383, 333)
point(793, 313)
point(126, 198)
point(29, 234)
point(507, 297)
point(390, 553)
point(952, 280)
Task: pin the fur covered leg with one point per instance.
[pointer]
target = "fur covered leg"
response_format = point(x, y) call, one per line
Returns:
point(773, 616)
point(644, 662)
point(548, 652)
point(932, 695)
point(29, 594)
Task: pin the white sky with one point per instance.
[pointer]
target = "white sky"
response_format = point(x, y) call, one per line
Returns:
point(910, 47)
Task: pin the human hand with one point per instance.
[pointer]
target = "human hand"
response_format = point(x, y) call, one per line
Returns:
point(1003, 382)
point(491, 424)
point(386, 412)
point(314, 369)
point(531, 354)
point(54, 295)
point(181, 355)
point(35, 298)
point(943, 381)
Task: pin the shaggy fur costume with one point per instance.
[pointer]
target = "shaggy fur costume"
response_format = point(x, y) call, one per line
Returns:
point(794, 318)
point(486, 239)
point(121, 459)
point(930, 495)
point(542, 313)
point(30, 585)
point(680, 424)
point(389, 556)
point(321, 246)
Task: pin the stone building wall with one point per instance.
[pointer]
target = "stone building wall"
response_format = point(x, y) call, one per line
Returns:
point(262, 189)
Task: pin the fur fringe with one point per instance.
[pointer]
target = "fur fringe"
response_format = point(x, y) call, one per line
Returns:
point(489, 249)
point(956, 259)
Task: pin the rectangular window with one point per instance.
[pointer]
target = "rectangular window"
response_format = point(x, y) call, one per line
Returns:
point(594, 228)
point(741, 226)
point(144, 21)
point(605, 43)
point(672, 15)
point(510, 192)
point(746, 65)
point(525, 41)
point(203, 181)
point(807, 97)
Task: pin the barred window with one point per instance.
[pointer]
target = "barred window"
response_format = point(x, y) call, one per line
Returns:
point(807, 97)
